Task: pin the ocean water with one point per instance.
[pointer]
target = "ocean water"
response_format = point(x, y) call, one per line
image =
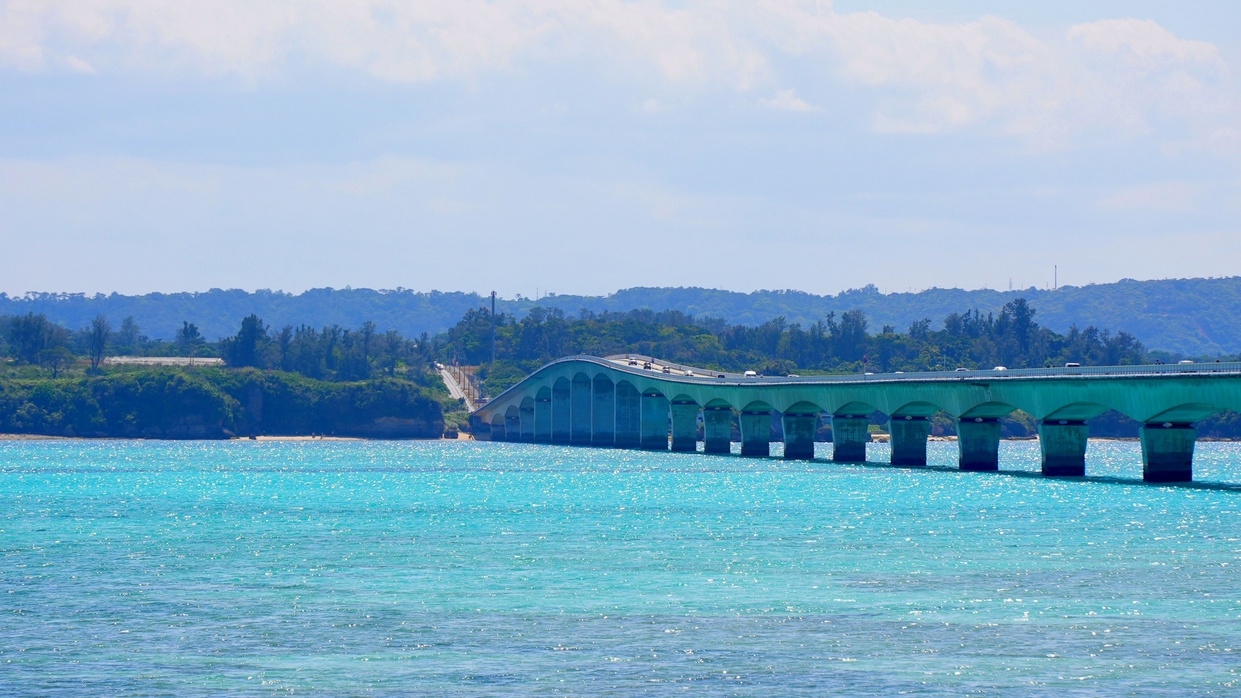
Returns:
point(457, 568)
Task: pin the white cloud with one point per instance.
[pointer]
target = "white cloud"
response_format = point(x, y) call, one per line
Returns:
point(1110, 78)
point(787, 100)
point(1174, 197)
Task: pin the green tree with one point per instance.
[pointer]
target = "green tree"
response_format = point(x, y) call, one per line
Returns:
point(246, 348)
point(189, 340)
point(98, 334)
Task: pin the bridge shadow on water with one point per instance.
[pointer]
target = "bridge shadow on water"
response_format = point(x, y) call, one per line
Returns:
point(1026, 474)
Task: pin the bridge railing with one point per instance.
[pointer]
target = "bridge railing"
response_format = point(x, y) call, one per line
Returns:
point(708, 376)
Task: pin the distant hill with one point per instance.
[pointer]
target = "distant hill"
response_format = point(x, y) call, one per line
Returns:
point(1195, 317)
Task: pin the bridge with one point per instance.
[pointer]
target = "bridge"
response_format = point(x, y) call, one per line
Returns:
point(627, 402)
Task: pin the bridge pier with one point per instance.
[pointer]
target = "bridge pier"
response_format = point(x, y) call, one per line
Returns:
point(849, 434)
point(579, 412)
point(603, 413)
point(909, 439)
point(684, 426)
point(717, 429)
point(479, 428)
point(654, 422)
point(525, 417)
point(1063, 443)
point(755, 433)
point(799, 430)
point(543, 419)
point(560, 412)
point(1168, 452)
point(979, 441)
point(628, 416)
point(512, 426)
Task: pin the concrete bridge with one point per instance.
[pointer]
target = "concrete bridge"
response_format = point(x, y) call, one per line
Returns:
point(624, 402)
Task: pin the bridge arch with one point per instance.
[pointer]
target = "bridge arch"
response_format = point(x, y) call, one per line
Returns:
point(1076, 412)
point(756, 406)
point(915, 409)
point(987, 411)
point(855, 409)
point(1186, 413)
point(717, 404)
point(803, 407)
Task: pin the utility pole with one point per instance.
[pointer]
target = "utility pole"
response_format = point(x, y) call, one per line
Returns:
point(1055, 277)
point(493, 327)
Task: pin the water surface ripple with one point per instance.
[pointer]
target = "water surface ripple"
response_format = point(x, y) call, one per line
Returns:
point(503, 569)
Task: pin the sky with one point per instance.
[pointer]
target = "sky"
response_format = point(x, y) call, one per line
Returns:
point(583, 146)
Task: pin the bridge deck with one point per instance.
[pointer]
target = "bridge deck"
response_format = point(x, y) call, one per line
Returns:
point(639, 401)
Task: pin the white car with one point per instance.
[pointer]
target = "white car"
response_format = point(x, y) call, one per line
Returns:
point(751, 374)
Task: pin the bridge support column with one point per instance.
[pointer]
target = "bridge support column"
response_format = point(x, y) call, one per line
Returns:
point(717, 429)
point(525, 417)
point(628, 416)
point(497, 430)
point(909, 439)
point(603, 413)
point(1168, 452)
point(849, 434)
point(512, 427)
point(543, 419)
point(579, 413)
point(654, 422)
point(799, 430)
point(1064, 447)
point(979, 441)
point(684, 426)
point(479, 429)
point(561, 412)
point(755, 433)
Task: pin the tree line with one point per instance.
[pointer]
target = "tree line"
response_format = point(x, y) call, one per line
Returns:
point(844, 344)
point(832, 344)
point(330, 353)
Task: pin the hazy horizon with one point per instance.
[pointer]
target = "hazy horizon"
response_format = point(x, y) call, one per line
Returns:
point(529, 145)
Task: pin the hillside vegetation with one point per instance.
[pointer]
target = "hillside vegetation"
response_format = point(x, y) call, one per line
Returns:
point(364, 382)
point(1190, 317)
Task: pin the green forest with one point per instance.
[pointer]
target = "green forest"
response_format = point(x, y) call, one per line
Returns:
point(301, 382)
point(1191, 318)
point(331, 380)
point(848, 344)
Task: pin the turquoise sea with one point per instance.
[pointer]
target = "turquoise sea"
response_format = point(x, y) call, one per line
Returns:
point(458, 568)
